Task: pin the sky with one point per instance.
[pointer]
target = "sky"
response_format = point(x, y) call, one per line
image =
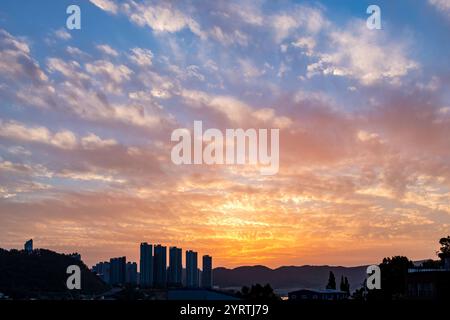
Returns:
point(86, 118)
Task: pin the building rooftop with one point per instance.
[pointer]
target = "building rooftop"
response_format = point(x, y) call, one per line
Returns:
point(320, 290)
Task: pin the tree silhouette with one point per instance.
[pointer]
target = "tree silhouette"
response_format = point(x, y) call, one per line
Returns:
point(331, 281)
point(258, 292)
point(393, 278)
point(342, 285)
point(345, 285)
point(42, 272)
point(444, 251)
point(431, 264)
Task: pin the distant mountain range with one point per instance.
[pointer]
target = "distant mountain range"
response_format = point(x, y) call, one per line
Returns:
point(313, 277)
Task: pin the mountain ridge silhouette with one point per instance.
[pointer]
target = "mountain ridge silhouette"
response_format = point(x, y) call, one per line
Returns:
point(305, 276)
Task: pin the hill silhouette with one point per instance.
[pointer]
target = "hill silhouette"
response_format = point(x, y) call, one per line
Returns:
point(314, 277)
point(42, 273)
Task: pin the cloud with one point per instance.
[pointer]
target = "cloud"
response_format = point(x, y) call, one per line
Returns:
point(162, 18)
point(235, 111)
point(16, 62)
point(248, 12)
point(141, 57)
point(74, 51)
point(228, 38)
point(64, 139)
point(102, 122)
point(62, 34)
point(106, 5)
point(67, 69)
point(89, 177)
point(442, 6)
point(249, 70)
point(19, 150)
point(306, 43)
point(114, 73)
point(106, 49)
point(358, 53)
point(286, 23)
point(93, 141)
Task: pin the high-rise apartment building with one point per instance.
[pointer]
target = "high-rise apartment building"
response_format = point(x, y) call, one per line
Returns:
point(117, 271)
point(131, 273)
point(191, 269)
point(160, 266)
point(28, 246)
point(146, 265)
point(207, 272)
point(102, 269)
point(175, 267)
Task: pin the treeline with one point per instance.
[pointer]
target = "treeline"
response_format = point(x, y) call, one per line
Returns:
point(394, 271)
point(42, 273)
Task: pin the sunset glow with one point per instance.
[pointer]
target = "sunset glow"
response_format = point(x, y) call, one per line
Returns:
point(86, 118)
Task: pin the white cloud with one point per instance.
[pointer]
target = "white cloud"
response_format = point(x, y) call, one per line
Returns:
point(193, 71)
point(71, 70)
point(8, 41)
point(19, 150)
point(74, 51)
point(135, 115)
point(106, 49)
point(441, 5)
point(282, 69)
point(106, 5)
point(308, 19)
point(64, 139)
point(249, 70)
point(162, 18)
point(283, 24)
point(360, 54)
point(16, 62)
point(62, 34)
point(141, 57)
point(116, 73)
point(306, 43)
point(89, 176)
point(248, 12)
point(229, 38)
point(160, 93)
point(313, 96)
point(367, 136)
point(93, 141)
point(234, 109)
point(61, 66)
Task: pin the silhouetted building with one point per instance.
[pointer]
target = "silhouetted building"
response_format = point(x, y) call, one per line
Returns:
point(207, 272)
point(447, 263)
point(313, 294)
point(175, 267)
point(428, 284)
point(160, 266)
point(28, 245)
point(191, 269)
point(131, 275)
point(146, 265)
point(117, 271)
point(199, 294)
point(101, 269)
